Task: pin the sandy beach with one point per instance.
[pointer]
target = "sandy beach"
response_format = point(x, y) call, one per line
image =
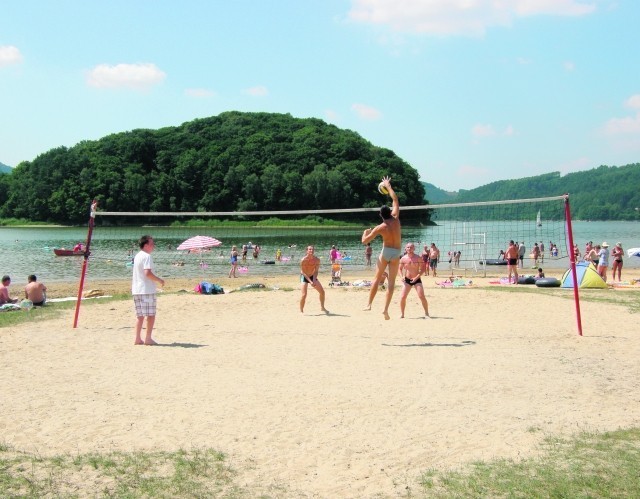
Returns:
point(337, 405)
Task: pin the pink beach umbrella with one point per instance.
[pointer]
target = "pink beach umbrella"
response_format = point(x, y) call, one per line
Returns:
point(199, 243)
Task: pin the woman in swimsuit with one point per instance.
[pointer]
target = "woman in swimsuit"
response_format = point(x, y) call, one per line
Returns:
point(234, 261)
point(616, 253)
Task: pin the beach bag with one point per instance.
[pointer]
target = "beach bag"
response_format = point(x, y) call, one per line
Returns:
point(207, 288)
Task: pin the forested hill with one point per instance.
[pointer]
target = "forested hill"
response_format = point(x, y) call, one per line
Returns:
point(603, 193)
point(231, 162)
point(435, 195)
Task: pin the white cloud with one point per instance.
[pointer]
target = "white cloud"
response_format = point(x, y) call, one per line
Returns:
point(628, 124)
point(554, 7)
point(138, 76)
point(482, 131)
point(619, 126)
point(258, 91)
point(509, 131)
point(199, 93)
point(9, 55)
point(633, 102)
point(366, 112)
point(331, 115)
point(469, 17)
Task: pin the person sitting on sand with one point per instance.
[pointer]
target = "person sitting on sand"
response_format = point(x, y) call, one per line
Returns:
point(35, 291)
point(4, 291)
point(540, 274)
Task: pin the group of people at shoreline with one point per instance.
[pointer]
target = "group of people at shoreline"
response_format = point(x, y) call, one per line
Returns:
point(35, 292)
point(600, 256)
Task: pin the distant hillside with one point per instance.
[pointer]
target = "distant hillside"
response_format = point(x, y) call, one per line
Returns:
point(603, 193)
point(5, 168)
point(435, 195)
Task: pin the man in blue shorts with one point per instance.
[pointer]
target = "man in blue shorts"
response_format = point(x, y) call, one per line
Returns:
point(391, 234)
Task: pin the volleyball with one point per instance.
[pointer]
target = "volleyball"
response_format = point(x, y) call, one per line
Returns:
point(382, 189)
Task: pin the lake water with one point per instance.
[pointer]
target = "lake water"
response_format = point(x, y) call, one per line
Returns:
point(26, 250)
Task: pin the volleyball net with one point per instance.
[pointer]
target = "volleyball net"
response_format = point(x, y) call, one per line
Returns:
point(470, 237)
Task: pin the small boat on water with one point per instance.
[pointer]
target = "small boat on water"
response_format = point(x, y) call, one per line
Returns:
point(66, 252)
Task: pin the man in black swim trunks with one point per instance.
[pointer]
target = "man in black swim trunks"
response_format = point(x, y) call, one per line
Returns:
point(309, 267)
point(511, 256)
point(411, 269)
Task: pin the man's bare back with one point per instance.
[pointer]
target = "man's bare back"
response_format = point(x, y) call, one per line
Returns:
point(391, 232)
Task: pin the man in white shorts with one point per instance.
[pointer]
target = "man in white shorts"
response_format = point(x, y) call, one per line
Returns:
point(143, 289)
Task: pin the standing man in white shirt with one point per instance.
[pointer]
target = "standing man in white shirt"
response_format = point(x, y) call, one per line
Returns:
point(143, 289)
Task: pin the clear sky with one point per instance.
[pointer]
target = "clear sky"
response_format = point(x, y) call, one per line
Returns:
point(466, 91)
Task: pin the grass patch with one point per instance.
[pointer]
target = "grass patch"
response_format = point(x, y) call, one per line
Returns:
point(587, 465)
point(23, 222)
point(51, 310)
point(627, 298)
point(193, 473)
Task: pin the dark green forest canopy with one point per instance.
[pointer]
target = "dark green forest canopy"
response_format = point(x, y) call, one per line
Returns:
point(231, 162)
point(603, 193)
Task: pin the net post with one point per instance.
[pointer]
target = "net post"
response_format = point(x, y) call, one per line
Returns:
point(87, 247)
point(572, 262)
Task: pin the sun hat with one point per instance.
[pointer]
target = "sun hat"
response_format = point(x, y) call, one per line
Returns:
point(605, 244)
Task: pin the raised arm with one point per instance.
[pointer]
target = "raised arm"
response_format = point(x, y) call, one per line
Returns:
point(370, 234)
point(395, 208)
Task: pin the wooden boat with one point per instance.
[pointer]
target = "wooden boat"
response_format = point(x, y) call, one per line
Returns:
point(66, 252)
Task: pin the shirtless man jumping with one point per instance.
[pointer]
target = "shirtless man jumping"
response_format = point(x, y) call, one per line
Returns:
point(309, 267)
point(411, 268)
point(391, 234)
